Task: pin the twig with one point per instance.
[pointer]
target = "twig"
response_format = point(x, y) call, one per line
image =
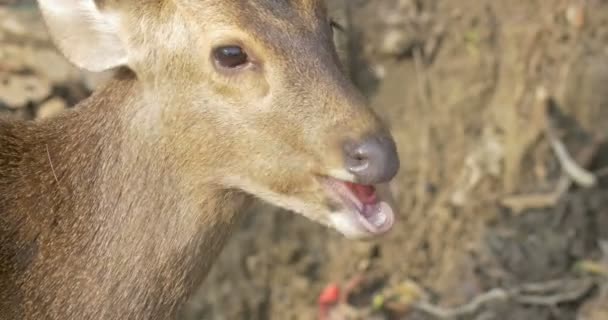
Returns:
point(572, 172)
point(551, 301)
point(352, 285)
point(578, 174)
point(520, 203)
point(548, 286)
point(580, 289)
point(469, 308)
point(540, 294)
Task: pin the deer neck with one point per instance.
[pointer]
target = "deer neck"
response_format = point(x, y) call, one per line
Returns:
point(126, 221)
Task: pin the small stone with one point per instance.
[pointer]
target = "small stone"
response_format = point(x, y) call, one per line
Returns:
point(398, 43)
point(17, 90)
point(252, 263)
point(9, 95)
point(379, 71)
point(51, 108)
point(364, 265)
point(575, 14)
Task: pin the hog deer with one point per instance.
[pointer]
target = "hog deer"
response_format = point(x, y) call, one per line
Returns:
point(118, 208)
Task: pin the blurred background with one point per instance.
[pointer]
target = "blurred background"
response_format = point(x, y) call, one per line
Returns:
point(500, 110)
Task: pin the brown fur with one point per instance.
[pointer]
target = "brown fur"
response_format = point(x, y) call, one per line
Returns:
point(77, 245)
point(117, 210)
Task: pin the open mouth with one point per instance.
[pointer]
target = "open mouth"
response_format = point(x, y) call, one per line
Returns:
point(364, 209)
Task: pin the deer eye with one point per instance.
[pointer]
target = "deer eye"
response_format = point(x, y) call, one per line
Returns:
point(230, 56)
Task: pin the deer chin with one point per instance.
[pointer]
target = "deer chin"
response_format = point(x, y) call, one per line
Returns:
point(356, 211)
point(361, 214)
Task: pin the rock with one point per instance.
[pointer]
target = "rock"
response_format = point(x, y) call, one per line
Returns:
point(398, 43)
point(51, 108)
point(17, 90)
point(379, 71)
point(364, 265)
point(575, 15)
point(252, 264)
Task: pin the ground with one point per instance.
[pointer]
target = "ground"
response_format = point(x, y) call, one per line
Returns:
point(499, 111)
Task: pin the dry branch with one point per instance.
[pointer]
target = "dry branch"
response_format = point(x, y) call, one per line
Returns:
point(578, 174)
point(573, 168)
point(547, 294)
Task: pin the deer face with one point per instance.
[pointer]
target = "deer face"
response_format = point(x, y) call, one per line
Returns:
point(249, 94)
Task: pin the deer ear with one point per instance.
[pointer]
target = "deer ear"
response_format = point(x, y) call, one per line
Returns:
point(87, 36)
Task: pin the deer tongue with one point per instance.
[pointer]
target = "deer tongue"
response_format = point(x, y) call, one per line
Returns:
point(364, 193)
point(375, 215)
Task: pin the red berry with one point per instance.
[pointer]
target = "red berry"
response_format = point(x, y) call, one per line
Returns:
point(330, 295)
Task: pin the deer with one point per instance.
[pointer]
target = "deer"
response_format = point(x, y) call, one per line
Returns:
point(117, 208)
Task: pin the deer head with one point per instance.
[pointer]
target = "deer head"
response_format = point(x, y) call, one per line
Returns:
point(243, 94)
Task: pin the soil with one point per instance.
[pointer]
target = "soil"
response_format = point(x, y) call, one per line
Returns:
point(491, 223)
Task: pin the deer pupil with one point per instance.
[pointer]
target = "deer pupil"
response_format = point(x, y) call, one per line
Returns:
point(230, 56)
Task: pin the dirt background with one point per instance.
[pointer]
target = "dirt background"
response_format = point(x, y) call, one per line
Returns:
point(500, 110)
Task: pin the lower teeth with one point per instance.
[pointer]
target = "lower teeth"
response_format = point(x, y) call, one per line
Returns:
point(379, 219)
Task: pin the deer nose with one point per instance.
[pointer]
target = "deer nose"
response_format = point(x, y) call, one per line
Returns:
point(373, 160)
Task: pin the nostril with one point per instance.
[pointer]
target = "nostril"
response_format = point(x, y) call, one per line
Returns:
point(357, 164)
point(373, 160)
point(360, 157)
